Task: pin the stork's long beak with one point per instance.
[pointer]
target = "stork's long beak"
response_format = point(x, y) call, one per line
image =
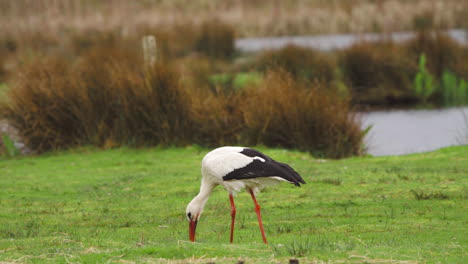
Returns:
point(192, 227)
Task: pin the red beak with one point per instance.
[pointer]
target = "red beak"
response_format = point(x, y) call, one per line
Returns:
point(192, 227)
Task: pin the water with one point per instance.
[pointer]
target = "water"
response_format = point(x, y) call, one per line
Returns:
point(331, 42)
point(411, 131)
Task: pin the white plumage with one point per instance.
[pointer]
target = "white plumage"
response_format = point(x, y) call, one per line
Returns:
point(222, 161)
point(236, 168)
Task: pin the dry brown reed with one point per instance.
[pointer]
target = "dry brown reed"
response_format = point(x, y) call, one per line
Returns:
point(3, 71)
point(34, 106)
point(442, 53)
point(173, 40)
point(379, 74)
point(300, 62)
point(252, 18)
point(216, 39)
point(288, 113)
point(107, 99)
point(218, 117)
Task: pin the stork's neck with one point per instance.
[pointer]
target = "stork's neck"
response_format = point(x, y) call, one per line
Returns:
point(205, 191)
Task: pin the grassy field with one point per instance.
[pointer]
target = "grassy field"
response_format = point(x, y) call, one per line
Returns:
point(128, 206)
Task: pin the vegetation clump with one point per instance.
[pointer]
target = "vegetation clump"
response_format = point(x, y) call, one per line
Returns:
point(454, 90)
point(110, 98)
point(423, 82)
point(216, 39)
point(302, 63)
point(285, 112)
point(441, 51)
point(378, 74)
point(106, 99)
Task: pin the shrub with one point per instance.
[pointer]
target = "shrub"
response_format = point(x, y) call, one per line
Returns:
point(106, 99)
point(8, 46)
point(216, 39)
point(81, 42)
point(283, 112)
point(174, 40)
point(423, 82)
point(3, 61)
point(34, 105)
point(454, 90)
point(378, 73)
point(213, 38)
point(218, 117)
point(301, 63)
point(442, 52)
point(3, 72)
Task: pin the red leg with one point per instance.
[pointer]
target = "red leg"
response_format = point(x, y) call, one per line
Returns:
point(257, 210)
point(233, 216)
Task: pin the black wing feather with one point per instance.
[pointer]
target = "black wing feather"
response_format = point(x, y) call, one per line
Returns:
point(255, 153)
point(268, 168)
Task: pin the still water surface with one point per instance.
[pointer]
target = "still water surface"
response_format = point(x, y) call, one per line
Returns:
point(411, 131)
point(331, 42)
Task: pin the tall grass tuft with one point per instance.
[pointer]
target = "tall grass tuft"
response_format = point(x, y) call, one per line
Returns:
point(441, 51)
point(107, 99)
point(218, 116)
point(36, 105)
point(378, 73)
point(283, 112)
point(423, 82)
point(7, 146)
point(301, 63)
point(216, 39)
point(3, 72)
point(454, 90)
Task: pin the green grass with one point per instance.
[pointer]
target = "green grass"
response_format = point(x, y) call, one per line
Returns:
point(238, 80)
point(126, 206)
point(3, 90)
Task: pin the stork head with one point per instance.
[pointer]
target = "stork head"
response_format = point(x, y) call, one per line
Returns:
point(193, 212)
point(195, 207)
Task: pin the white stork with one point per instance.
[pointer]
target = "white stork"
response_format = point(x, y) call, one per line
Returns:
point(236, 168)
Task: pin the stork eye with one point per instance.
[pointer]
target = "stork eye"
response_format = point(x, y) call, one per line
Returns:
point(189, 215)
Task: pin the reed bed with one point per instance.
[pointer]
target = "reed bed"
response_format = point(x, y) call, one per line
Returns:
point(284, 112)
point(109, 98)
point(87, 83)
point(252, 18)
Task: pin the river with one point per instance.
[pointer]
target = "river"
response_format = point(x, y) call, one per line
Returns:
point(331, 42)
point(411, 131)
